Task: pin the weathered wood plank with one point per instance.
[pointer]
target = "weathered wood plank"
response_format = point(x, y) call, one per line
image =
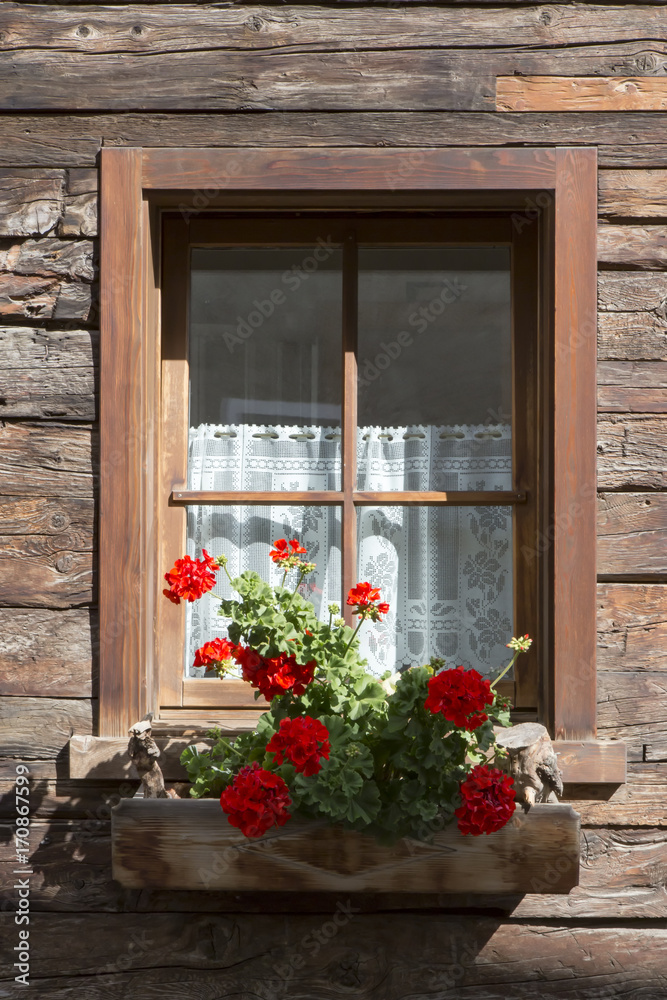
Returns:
point(40, 728)
point(63, 799)
point(43, 298)
point(52, 571)
point(47, 515)
point(48, 257)
point(373, 957)
point(142, 28)
point(46, 460)
point(632, 452)
point(632, 626)
point(632, 386)
point(633, 193)
point(634, 246)
point(631, 336)
point(330, 859)
point(632, 707)
point(584, 93)
point(31, 201)
point(625, 139)
point(48, 652)
point(632, 534)
point(632, 291)
point(640, 802)
point(47, 374)
point(80, 211)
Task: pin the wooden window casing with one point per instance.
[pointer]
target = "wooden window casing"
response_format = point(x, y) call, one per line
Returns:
point(556, 230)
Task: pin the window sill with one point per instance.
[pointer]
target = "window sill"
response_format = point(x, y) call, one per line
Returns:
point(187, 844)
point(591, 762)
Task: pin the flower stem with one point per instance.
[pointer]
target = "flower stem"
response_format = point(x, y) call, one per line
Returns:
point(354, 634)
point(508, 667)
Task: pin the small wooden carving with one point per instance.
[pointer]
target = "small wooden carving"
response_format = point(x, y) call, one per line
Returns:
point(532, 763)
point(143, 751)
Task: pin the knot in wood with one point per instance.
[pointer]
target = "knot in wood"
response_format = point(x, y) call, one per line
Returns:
point(83, 31)
point(137, 29)
point(64, 564)
point(254, 23)
point(59, 521)
point(545, 17)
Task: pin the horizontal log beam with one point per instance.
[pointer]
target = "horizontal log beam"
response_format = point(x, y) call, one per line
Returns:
point(47, 460)
point(633, 246)
point(632, 534)
point(632, 626)
point(632, 452)
point(48, 653)
point(582, 93)
point(40, 728)
point(631, 336)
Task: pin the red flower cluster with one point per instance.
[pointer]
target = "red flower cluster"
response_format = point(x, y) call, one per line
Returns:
point(281, 549)
point(256, 800)
point(460, 695)
point(190, 578)
point(215, 651)
point(487, 801)
point(276, 674)
point(301, 741)
point(363, 599)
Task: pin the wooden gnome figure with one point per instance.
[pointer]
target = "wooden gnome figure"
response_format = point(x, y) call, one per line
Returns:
point(532, 763)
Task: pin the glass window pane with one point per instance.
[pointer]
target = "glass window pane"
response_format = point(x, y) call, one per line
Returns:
point(245, 535)
point(265, 367)
point(434, 363)
point(446, 573)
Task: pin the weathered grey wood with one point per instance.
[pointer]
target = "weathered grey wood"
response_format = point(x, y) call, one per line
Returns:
point(46, 460)
point(329, 859)
point(106, 757)
point(40, 728)
point(47, 374)
point(44, 258)
point(623, 139)
point(636, 246)
point(632, 707)
point(632, 626)
point(425, 78)
point(632, 452)
point(80, 211)
point(31, 201)
point(52, 571)
point(374, 957)
point(639, 802)
point(632, 336)
point(142, 28)
point(632, 386)
point(632, 534)
point(632, 291)
point(633, 193)
point(48, 652)
point(43, 298)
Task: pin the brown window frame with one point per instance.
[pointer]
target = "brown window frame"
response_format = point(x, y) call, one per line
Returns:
point(552, 192)
point(525, 499)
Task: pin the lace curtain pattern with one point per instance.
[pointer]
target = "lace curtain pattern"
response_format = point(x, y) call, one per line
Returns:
point(445, 571)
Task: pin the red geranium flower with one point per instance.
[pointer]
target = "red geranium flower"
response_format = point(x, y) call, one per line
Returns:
point(363, 598)
point(487, 801)
point(256, 800)
point(190, 578)
point(215, 651)
point(280, 551)
point(274, 675)
point(460, 695)
point(301, 741)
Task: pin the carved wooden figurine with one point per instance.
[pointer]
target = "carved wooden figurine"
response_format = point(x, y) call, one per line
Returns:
point(532, 763)
point(143, 751)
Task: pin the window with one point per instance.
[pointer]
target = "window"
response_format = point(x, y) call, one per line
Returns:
point(394, 225)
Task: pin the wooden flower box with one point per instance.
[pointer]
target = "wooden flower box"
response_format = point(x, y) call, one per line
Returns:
point(188, 844)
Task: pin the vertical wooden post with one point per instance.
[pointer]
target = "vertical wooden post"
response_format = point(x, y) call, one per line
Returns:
point(575, 444)
point(125, 395)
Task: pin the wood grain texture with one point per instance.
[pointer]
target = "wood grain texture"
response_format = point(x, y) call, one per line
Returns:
point(47, 460)
point(31, 201)
point(46, 571)
point(632, 292)
point(633, 193)
point(47, 516)
point(574, 418)
point(46, 257)
point(638, 803)
point(633, 246)
point(329, 859)
point(632, 626)
point(47, 375)
point(585, 93)
point(40, 728)
point(632, 386)
point(372, 957)
point(632, 336)
point(632, 708)
point(44, 298)
point(48, 653)
point(632, 534)
point(632, 452)
point(80, 211)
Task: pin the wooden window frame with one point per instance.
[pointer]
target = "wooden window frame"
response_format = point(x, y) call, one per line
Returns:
point(553, 189)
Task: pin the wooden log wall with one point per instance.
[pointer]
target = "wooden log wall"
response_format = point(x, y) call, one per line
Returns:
point(74, 78)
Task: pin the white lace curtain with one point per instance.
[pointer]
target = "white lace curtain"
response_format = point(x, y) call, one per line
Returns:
point(445, 571)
